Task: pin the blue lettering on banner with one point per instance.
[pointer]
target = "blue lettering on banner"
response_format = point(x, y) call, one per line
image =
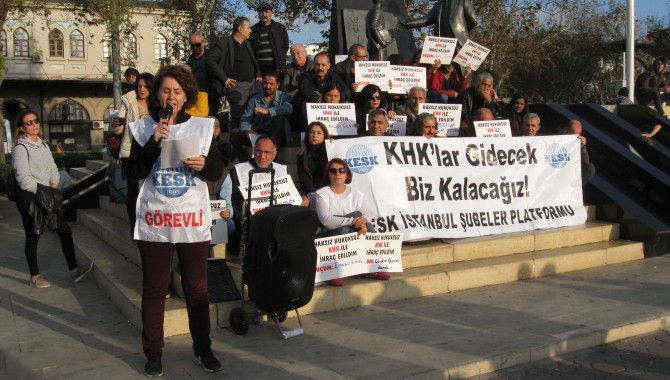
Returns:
point(173, 182)
point(557, 156)
point(361, 159)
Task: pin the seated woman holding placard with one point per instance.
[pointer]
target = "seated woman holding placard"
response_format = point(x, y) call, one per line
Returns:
point(341, 209)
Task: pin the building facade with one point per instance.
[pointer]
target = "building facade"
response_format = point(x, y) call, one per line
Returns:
point(61, 69)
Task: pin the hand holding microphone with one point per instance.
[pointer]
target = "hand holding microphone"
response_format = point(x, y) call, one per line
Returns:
point(162, 131)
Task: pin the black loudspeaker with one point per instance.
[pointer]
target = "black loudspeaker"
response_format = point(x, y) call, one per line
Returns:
point(280, 261)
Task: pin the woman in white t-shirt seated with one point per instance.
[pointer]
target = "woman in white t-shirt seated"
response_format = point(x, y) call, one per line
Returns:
point(341, 209)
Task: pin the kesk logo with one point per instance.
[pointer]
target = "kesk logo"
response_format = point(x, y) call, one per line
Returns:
point(361, 159)
point(557, 156)
point(173, 182)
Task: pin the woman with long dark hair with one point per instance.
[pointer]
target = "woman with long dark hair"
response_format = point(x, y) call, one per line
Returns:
point(312, 157)
point(173, 211)
point(133, 108)
point(34, 167)
point(515, 110)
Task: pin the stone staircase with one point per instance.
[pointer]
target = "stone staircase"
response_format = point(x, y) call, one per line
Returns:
point(438, 267)
point(91, 166)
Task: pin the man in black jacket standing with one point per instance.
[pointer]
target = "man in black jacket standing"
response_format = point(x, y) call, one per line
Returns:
point(269, 40)
point(197, 62)
point(234, 69)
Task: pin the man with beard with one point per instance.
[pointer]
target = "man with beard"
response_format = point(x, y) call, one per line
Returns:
point(415, 96)
point(267, 113)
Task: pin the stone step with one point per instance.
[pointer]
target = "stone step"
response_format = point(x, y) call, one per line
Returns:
point(110, 223)
point(121, 281)
point(113, 231)
point(120, 277)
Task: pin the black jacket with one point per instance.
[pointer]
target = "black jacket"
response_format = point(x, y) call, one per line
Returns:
point(289, 81)
point(310, 84)
point(220, 60)
point(278, 43)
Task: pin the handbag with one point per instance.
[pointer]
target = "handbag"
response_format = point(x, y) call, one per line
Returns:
point(220, 284)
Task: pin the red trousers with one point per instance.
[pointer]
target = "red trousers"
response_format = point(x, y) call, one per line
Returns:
point(156, 266)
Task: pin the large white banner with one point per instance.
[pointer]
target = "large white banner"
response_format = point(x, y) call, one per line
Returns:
point(461, 187)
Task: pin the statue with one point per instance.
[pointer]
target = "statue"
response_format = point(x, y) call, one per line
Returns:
point(378, 37)
point(451, 18)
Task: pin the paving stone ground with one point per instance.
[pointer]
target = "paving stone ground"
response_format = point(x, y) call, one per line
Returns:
point(73, 331)
point(640, 357)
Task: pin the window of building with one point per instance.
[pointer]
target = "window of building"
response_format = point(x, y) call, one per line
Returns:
point(3, 43)
point(106, 46)
point(56, 43)
point(160, 47)
point(130, 46)
point(21, 45)
point(76, 44)
point(70, 122)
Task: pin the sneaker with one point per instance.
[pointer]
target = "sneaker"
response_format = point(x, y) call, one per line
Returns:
point(80, 272)
point(39, 282)
point(153, 368)
point(336, 282)
point(378, 276)
point(208, 361)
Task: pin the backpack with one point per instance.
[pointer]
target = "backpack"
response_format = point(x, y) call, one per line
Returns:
point(114, 143)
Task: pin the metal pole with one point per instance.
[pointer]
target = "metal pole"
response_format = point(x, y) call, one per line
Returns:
point(630, 49)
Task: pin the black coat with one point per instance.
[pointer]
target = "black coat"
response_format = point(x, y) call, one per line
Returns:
point(220, 62)
point(278, 43)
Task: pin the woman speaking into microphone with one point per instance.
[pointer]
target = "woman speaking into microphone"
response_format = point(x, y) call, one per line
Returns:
point(173, 210)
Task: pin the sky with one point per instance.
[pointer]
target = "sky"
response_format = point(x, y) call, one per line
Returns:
point(643, 8)
point(651, 8)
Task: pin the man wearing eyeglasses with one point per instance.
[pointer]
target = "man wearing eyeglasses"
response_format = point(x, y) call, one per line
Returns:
point(265, 151)
point(346, 69)
point(197, 62)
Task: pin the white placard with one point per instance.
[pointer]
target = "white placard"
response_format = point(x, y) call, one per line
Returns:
point(472, 54)
point(398, 125)
point(217, 206)
point(219, 226)
point(493, 128)
point(448, 117)
point(383, 252)
point(375, 72)
point(285, 193)
point(464, 187)
point(403, 78)
point(174, 152)
point(441, 48)
point(339, 118)
point(352, 254)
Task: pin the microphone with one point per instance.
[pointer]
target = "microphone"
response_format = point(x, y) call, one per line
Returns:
point(166, 113)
